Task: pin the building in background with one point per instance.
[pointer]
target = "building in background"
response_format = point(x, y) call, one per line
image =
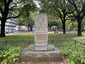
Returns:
point(9, 26)
point(21, 28)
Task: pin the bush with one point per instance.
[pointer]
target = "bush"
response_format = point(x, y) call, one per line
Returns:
point(3, 46)
point(9, 53)
point(75, 53)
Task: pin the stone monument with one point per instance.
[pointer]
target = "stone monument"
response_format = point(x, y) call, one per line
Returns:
point(41, 31)
point(41, 50)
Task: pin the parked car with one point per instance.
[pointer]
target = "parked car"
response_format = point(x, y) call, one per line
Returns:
point(82, 30)
point(10, 31)
point(6, 32)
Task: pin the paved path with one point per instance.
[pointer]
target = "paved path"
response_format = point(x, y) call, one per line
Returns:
point(26, 33)
point(42, 62)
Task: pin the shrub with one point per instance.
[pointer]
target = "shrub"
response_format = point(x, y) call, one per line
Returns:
point(9, 54)
point(74, 52)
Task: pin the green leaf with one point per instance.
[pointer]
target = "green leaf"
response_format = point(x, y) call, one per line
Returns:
point(5, 62)
point(1, 55)
point(10, 61)
point(14, 59)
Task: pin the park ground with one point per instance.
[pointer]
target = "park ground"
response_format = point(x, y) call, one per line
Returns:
point(51, 37)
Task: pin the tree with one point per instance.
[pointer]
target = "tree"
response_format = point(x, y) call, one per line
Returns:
point(28, 21)
point(12, 9)
point(59, 8)
point(79, 14)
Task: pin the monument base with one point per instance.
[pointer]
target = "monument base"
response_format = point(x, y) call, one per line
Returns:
point(30, 54)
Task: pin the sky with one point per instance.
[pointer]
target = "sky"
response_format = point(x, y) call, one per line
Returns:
point(37, 3)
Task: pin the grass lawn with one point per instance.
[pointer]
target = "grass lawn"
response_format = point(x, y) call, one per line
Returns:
point(24, 40)
point(50, 37)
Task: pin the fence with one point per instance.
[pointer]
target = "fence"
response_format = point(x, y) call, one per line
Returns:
point(26, 43)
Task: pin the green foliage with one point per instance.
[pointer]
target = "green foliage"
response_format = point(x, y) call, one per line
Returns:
point(71, 62)
point(73, 25)
point(3, 46)
point(35, 61)
point(67, 49)
point(28, 19)
point(26, 10)
point(75, 52)
point(9, 55)
point(52, 24)
point(13, 9)
point(83, 23)
point(79, 12)
point(57, 9)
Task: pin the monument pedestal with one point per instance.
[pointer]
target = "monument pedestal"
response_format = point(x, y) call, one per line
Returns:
point(41, 51)
point(51, 54)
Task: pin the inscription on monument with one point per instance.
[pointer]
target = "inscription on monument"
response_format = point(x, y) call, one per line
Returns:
point(41, 38)
point(41, 29)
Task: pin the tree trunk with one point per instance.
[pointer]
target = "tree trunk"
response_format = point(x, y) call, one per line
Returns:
point(79, 28)
point(63, 27)
point(3, 28)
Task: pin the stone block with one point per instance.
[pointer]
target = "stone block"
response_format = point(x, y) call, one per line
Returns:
point(41, 55)
point(41, 48)
point(50, 47)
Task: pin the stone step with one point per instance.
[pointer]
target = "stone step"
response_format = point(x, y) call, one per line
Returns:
point(53, 55)
point(33, 47)
point(41, 62)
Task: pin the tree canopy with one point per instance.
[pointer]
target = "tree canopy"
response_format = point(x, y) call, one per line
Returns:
point(27, 20)
point(57, 8)
point(79, 12)
point(13, 9)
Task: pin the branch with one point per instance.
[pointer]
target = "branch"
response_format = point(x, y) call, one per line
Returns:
point(73, 3)
point(9, 1)
point(11, 8)
point(67, 18)
point(17, 15)
point(83, 15)
point(60, 15)
point(74, 15)
point(82, 1)
point(70, 2)
point(14, 17)
point(68, 15)
point(1, 10)
point(71, 18)
point(69, 12)
point(5, 2)
point(0, 18)
point(82, 8)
